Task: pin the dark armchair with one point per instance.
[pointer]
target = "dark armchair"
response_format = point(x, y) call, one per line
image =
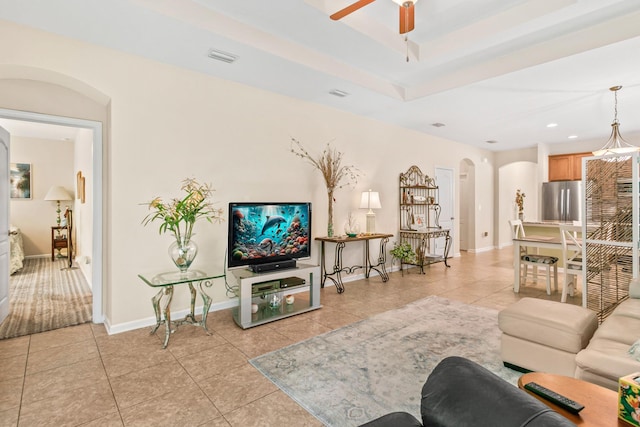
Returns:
point(461, 393)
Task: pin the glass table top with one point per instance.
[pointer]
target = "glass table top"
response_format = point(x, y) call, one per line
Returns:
point(169, 278)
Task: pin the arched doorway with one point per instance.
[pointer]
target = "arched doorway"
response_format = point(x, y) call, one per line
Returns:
point(96, 227)
point(78, 105)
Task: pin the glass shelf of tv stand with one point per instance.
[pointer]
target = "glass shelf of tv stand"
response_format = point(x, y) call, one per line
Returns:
point(267, 310)
point(306, 296)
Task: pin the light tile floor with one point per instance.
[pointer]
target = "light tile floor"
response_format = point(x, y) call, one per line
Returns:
point(81, 376)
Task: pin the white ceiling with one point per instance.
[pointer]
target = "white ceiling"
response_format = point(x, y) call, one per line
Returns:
point(496, 70)
point(39, 130)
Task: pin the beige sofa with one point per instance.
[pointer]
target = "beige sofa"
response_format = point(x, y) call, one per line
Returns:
point(606, 358)
point(563, 339)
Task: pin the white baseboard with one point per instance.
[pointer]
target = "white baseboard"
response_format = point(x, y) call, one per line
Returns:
point(479, 250)
point(151, 321)
point(179, 314)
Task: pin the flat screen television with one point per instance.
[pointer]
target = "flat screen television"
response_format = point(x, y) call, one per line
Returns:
point(261, 233)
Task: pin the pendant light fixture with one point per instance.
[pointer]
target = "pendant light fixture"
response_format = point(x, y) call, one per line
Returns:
point(616, 144)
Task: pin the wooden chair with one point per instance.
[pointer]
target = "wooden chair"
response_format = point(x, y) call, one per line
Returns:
point(572, 257)
point(536, 261)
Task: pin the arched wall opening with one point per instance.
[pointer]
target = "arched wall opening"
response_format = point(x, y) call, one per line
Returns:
point(44, 96)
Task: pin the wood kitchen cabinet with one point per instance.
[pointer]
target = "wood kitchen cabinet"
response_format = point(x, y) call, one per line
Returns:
point(566, 167)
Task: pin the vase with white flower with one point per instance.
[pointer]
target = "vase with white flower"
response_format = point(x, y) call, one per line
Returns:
point(179, 215)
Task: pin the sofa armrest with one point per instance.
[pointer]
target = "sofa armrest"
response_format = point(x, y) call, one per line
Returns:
point(462, 393)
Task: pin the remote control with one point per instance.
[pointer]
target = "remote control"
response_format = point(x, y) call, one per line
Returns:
point(560, 400)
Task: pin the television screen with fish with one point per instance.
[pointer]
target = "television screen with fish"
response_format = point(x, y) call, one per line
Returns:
point(268, 232)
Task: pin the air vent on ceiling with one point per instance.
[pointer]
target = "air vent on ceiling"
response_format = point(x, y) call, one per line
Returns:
point(438, 125)
point(338, 92)
point(221, 56)
point(491, 141)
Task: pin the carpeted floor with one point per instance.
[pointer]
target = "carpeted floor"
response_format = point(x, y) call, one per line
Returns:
point(355, 374)
point(43, 297)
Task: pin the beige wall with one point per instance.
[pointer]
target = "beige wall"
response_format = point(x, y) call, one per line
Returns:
point(83, 212)
point(514, 176)
point(166, 124)
point(51, 164)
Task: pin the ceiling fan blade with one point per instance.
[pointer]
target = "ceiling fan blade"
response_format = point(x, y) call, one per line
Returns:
point(407, 18)
point(350, 9)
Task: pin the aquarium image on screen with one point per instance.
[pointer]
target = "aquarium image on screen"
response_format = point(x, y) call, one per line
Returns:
point(268, 232)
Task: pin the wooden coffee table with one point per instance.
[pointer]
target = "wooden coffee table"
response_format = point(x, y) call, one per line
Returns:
point(600, 404)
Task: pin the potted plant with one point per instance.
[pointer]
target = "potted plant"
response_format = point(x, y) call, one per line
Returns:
point(403, 252)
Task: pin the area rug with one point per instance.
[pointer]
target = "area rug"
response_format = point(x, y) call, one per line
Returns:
point(357, 373)
point(44, 296)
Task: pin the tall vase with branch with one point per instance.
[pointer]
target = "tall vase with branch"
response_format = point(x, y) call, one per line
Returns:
point(335, 174)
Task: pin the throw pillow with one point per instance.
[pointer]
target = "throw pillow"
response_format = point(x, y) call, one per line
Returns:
point(634, 351)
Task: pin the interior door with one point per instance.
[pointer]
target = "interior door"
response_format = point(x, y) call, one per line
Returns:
point(446, 196)
point(4, 224)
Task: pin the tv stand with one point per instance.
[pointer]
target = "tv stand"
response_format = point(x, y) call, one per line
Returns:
point(260, 289)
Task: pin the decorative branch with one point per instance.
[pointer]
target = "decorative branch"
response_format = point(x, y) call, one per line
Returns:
point(329, 164)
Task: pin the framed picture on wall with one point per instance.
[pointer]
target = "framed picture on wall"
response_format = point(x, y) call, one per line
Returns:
point(80, 187)
point(20, 180)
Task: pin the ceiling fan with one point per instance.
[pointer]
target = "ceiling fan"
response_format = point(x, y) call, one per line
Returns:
point(406, 12)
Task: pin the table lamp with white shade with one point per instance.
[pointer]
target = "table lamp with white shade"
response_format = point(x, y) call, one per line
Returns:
point(370, 200)
point(57, 193)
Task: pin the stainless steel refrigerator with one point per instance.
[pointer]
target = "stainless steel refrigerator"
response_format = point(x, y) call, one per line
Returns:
point(562, 201)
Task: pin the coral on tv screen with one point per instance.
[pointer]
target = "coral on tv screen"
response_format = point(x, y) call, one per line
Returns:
point(268, 232)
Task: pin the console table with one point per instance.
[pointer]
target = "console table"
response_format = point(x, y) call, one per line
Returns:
point(341, 242)
point(165, 281)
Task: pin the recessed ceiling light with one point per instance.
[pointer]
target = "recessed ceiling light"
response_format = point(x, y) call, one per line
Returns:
point(221, 56)
point(552, 125)
point(338, 92)
point(491, 141)
point(438, 125)
point(573, 136)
